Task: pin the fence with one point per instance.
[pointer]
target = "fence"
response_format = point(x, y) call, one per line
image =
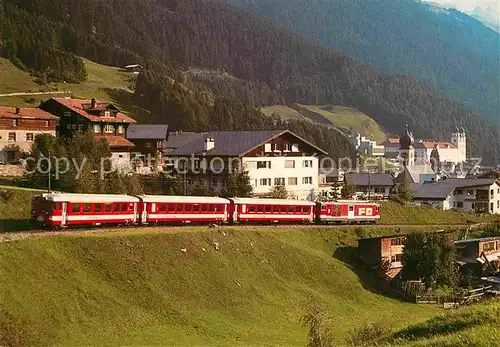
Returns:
point(454, 300)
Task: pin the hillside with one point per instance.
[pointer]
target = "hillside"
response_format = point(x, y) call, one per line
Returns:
point(449, 50)
point(273, 62)
point(138, 288)
point(103, 82)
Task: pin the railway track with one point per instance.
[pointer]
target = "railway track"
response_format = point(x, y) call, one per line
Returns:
point(20, 235)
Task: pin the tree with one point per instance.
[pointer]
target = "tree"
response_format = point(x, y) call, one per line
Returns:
point(238, 185)
point(347, 192)
point(430, 257)
point(278, 192)
point(335, 188)
point(404, 192)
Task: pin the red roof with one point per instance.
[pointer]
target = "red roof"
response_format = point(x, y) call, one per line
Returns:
point(116, 141)
point(26, 112)
point(83, 108)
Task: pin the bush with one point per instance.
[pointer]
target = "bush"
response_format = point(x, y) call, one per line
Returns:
point(365, 336)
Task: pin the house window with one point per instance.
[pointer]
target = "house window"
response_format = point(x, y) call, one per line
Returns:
point(263, 165)
point(379, 190)
point(107, 114)
point(68, 126)
point(47, 123)
point(398, 241)
point(120, 130)
point(267, 147)
point(274, 147)
point(12, 137)
point(80, 127)
point(397, 258)
point(489, 246)
point(307, 163)
point(295, 147)
point(492, 193)
point(459, 192)
point(307, 180)
point(265, 181)
point(67, 114)
point(73, 126)
point(491, 207)
point(292, 181)
point(29, 137)
point(14, 122)
point(109, 129)
point(470, 192)
point(97, 129)
point(279, 181)
point(460, 204)
point(287, 147)
point(289, 164)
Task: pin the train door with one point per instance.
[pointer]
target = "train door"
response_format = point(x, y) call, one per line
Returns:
point(350, 213)
point(136, 213)
point(64, 213)
point(144, 212)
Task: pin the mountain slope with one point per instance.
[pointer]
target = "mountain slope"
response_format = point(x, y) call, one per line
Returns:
point(442, 47)
point(217, 36)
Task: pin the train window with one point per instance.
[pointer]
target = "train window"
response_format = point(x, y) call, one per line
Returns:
point(75, 208)
point(188, 207)
point(204, 208)
point(260, 208)
point(212, 208)
point(251, 208)
point(57, 206)
point(376, 208)
point(323, 207)
point(305, 209)
point(283, 209)
point(107, 207)
point(276, 209)
point(116, 207)
point(86, 208)
point(351, 208)
point(298, 209)
point(124, 207)
point(268, 209)
point(97, 208)
point(196, 207)
point(290, 209)
point(171, 207)
point(162, 207)
point(180, 207)
point(220, 207)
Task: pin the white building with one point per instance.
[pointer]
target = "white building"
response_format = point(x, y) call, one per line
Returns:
point(366, 146)
point(274, 157)
point(19, 127)
point(480, 195)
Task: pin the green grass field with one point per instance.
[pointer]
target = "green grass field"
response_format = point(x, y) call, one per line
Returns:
point(139, 288)
point(103, 82)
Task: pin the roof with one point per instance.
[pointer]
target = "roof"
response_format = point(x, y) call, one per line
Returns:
point(369, 179)
point(178, 139)
point(82, 106)
point(183, 199)
point(26, 112)
point(479, 239)
point(391, 140)
point(264, 201)
point(147, 131)
point(84, 198)
point(411, 174)
point(233, 143)
point(442, 189)
point(115, 141)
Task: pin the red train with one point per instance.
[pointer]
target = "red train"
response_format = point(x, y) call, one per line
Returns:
point(67, 210)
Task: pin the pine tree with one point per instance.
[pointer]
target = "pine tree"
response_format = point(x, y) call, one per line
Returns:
point(278, 192)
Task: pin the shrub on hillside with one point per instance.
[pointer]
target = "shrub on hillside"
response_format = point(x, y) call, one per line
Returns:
point(366, 336)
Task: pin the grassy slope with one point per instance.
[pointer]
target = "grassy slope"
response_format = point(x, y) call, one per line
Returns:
point(394, 213)
point(140, 289)
point(15, 210)
point(103, 82)
point(284, 112)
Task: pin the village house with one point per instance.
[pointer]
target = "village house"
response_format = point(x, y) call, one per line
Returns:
point(271, 157)
point(149, 142)
point(18, 128)
point(480, 256)
point(480, 195)
point(370, 185)
point(101, 117)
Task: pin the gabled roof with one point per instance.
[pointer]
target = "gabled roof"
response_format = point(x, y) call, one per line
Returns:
point(368, 179)
point(116, 141)
point(234, 143)
point(411, 174)
point(147, 131)
point(26, 113)
point(83, 108)
point(442, 189)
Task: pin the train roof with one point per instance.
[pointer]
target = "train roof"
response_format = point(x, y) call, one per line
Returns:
point(183, 199)
point(264, 201)
point(351, 202)
point(89, 198)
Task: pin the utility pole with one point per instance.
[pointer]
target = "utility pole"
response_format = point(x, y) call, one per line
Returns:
point(369, 184)
point(185, 183)
point(50, 169)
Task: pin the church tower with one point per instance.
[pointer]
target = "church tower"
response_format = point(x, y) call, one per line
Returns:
point(406, 150)
point(459, 139)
